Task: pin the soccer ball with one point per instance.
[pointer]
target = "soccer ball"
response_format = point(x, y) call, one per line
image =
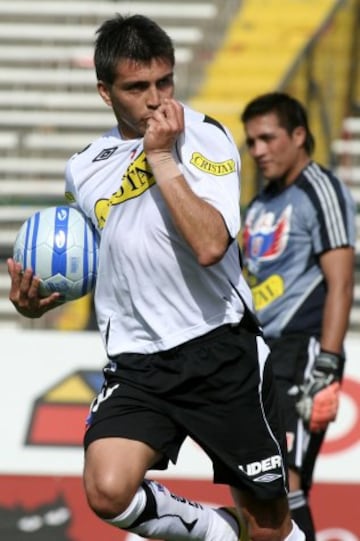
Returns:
point(61, 246)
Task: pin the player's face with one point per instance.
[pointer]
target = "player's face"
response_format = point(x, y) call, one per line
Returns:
point(279, 155)
point(138, 90)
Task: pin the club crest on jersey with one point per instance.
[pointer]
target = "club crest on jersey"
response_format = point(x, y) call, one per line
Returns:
point(136, 180)
point(214, 168)
point(265, 238)
point(105, 154)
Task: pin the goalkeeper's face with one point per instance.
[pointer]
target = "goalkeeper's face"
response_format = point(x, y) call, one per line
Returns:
point(137, 91)
point(279, 155)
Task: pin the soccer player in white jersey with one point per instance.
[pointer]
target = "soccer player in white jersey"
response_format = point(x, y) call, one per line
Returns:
point(186, 355)
point(299, 238)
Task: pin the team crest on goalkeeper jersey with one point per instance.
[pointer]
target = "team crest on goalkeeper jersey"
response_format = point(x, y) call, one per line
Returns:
point(265, 238)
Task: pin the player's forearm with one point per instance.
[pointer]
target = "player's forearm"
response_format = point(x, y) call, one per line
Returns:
point(336, 318)
point(200, 224)
point(338, 268)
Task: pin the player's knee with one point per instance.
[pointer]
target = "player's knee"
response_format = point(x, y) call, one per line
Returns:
point(107, 497)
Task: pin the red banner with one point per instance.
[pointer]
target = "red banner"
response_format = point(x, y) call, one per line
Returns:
point(54, 509)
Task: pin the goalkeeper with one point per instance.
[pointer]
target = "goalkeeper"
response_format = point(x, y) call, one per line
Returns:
point(298, 241)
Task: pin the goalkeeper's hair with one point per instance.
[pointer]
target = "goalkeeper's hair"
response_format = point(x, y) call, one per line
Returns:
point(290, 112)
point(132, 37)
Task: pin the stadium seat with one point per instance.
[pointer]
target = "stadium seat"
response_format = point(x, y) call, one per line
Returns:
point(103, 9)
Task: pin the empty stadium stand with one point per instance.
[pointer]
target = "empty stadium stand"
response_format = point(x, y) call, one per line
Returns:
point(346, 160)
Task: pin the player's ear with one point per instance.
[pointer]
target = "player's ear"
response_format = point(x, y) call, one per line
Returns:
point(299, 136)
point(104, 92)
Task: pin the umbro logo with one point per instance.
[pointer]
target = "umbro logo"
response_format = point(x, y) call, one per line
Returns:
point(105, 154)
point(267, 478)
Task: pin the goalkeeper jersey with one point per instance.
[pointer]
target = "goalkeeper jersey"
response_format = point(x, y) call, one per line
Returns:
point(284, 234)
point(151, 294)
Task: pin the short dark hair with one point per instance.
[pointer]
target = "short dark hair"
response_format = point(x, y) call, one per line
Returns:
point(134, 37)
point(290, 112)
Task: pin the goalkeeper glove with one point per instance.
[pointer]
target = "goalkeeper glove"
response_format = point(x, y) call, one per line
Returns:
point(318, 399)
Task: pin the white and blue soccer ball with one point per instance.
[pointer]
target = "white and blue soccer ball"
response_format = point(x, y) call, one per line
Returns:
point(61, 246)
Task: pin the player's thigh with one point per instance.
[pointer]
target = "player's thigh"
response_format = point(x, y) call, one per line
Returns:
point(116, 467)
point(131, 406)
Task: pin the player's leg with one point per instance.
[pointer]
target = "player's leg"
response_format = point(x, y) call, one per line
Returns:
point(117, 493)
point(237, 419)
point(267, 519)
point(125, 425)
point(302, 513)
point(290, 357)
point(299, 505)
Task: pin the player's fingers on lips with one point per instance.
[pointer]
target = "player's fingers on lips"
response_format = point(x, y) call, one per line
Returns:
point(178, 110)
point(174, 109)
point(174, 120)
point(169, 110)
point(161, 113)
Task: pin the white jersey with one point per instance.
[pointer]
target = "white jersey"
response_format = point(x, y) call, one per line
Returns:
point(151, 293)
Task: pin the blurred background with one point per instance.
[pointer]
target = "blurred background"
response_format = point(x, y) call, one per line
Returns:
point(227, 52)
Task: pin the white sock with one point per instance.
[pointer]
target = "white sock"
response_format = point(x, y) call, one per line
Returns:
point(136, 507)
point(296, 534)
point(167, 516)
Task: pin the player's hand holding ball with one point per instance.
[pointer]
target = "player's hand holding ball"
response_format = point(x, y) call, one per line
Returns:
point(55, 260)
point(24, 292)
point(318, 400)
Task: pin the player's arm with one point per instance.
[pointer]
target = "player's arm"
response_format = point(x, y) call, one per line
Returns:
point(24, 292)
point(201, 225)
point(319, 400)
point(338, 269)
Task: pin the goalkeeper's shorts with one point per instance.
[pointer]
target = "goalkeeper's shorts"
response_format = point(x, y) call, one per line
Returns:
point(218, 389)
point(292, 357)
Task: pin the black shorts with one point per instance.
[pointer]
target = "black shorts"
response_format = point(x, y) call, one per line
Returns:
point(291, 358)
point(218, 389)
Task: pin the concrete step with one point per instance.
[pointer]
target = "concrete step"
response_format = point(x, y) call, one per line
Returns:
point(351, 127)
point(38, 190)
point(185, 10)
point(348, 174)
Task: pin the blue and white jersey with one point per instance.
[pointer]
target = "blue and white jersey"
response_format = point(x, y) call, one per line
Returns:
point(284, 234)
point(151, 293)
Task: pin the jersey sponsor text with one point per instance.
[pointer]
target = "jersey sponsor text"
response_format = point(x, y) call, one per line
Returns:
point(269, 463)
point(215, 168)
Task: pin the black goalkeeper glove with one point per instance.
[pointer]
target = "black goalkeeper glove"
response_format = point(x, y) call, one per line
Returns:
point(318, 400)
